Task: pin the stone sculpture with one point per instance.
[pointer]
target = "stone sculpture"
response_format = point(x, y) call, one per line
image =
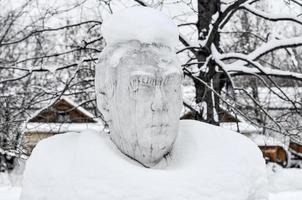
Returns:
point(140, 98)
point(138, 84)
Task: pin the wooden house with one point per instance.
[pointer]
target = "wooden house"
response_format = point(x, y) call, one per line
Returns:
point(59, 117)
point(295, 147)
point(273, 149)
point(275, 153)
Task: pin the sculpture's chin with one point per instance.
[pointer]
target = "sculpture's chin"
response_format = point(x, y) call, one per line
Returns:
point(152, 160)
point(146, 152)
point(155, 150)
point(148, 144)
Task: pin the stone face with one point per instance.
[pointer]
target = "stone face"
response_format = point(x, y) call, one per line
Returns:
point(140, 97)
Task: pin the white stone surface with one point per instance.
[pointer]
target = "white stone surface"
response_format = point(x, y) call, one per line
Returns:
point(207, 162)
point(138, 89)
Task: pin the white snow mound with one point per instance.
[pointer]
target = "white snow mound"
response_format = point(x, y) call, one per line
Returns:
point(207, 162)
point(140, 23)
point(284, 179)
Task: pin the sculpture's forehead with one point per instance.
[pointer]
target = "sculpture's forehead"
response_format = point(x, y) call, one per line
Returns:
point(150, 56)
point(152, 70)
point(150, 60)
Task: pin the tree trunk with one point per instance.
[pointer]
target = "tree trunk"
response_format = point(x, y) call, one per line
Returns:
point(206, 9)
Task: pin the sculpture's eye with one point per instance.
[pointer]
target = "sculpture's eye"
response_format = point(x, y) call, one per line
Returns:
point(146, 86)
point(142, 85)
point(134, 84)
point(172, 84)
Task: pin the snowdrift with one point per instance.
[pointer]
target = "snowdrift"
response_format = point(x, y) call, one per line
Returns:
point(207, 162)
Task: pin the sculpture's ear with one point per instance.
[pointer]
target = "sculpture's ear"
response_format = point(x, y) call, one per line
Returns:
point(102, 98)
point(102, 103)
point(105, 82)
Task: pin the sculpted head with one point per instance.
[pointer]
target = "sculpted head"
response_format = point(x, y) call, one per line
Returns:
point(138, 88)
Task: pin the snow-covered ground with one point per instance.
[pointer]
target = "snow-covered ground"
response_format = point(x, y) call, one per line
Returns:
point(291, 195)
point(284, 184)
point(13, 193)
point(10, 193)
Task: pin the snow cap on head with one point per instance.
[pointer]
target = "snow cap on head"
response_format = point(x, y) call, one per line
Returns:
point(144, 24)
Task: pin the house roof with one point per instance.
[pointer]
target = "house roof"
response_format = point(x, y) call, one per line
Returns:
point(297, 138)
point(77, 119)
point(56, 108)
point(266, 140)
point(60, 127)
point(242, 127)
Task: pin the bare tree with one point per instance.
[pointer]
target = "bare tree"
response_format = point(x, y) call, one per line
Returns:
point(41, 62)
point(42, 58)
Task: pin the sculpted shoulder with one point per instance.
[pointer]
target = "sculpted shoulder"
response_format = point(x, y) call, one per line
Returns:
point(59, 150)
point(213, 140)
point(217, 154)
point(55, 145)
point(208, 132)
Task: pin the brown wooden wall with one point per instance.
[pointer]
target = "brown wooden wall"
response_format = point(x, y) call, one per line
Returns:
point(295, 147)
point(275, 154)
point(31, 139)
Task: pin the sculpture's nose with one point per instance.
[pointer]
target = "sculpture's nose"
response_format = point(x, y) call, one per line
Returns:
point(159, 102)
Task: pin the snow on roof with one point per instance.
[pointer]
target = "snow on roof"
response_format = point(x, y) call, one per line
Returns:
point(297, 138)
point(69, 101)
point(265, 140)
point(36, 113)
point(140, 23)
point(269, 97)
point(61, 128)
point(78, 107)
point(244, 128)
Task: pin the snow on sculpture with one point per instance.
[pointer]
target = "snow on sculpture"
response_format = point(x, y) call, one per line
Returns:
point(138, 92)
point(140, 23)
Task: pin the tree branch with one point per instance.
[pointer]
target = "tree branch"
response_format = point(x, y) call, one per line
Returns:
point(35, 32)
point(271, 17)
